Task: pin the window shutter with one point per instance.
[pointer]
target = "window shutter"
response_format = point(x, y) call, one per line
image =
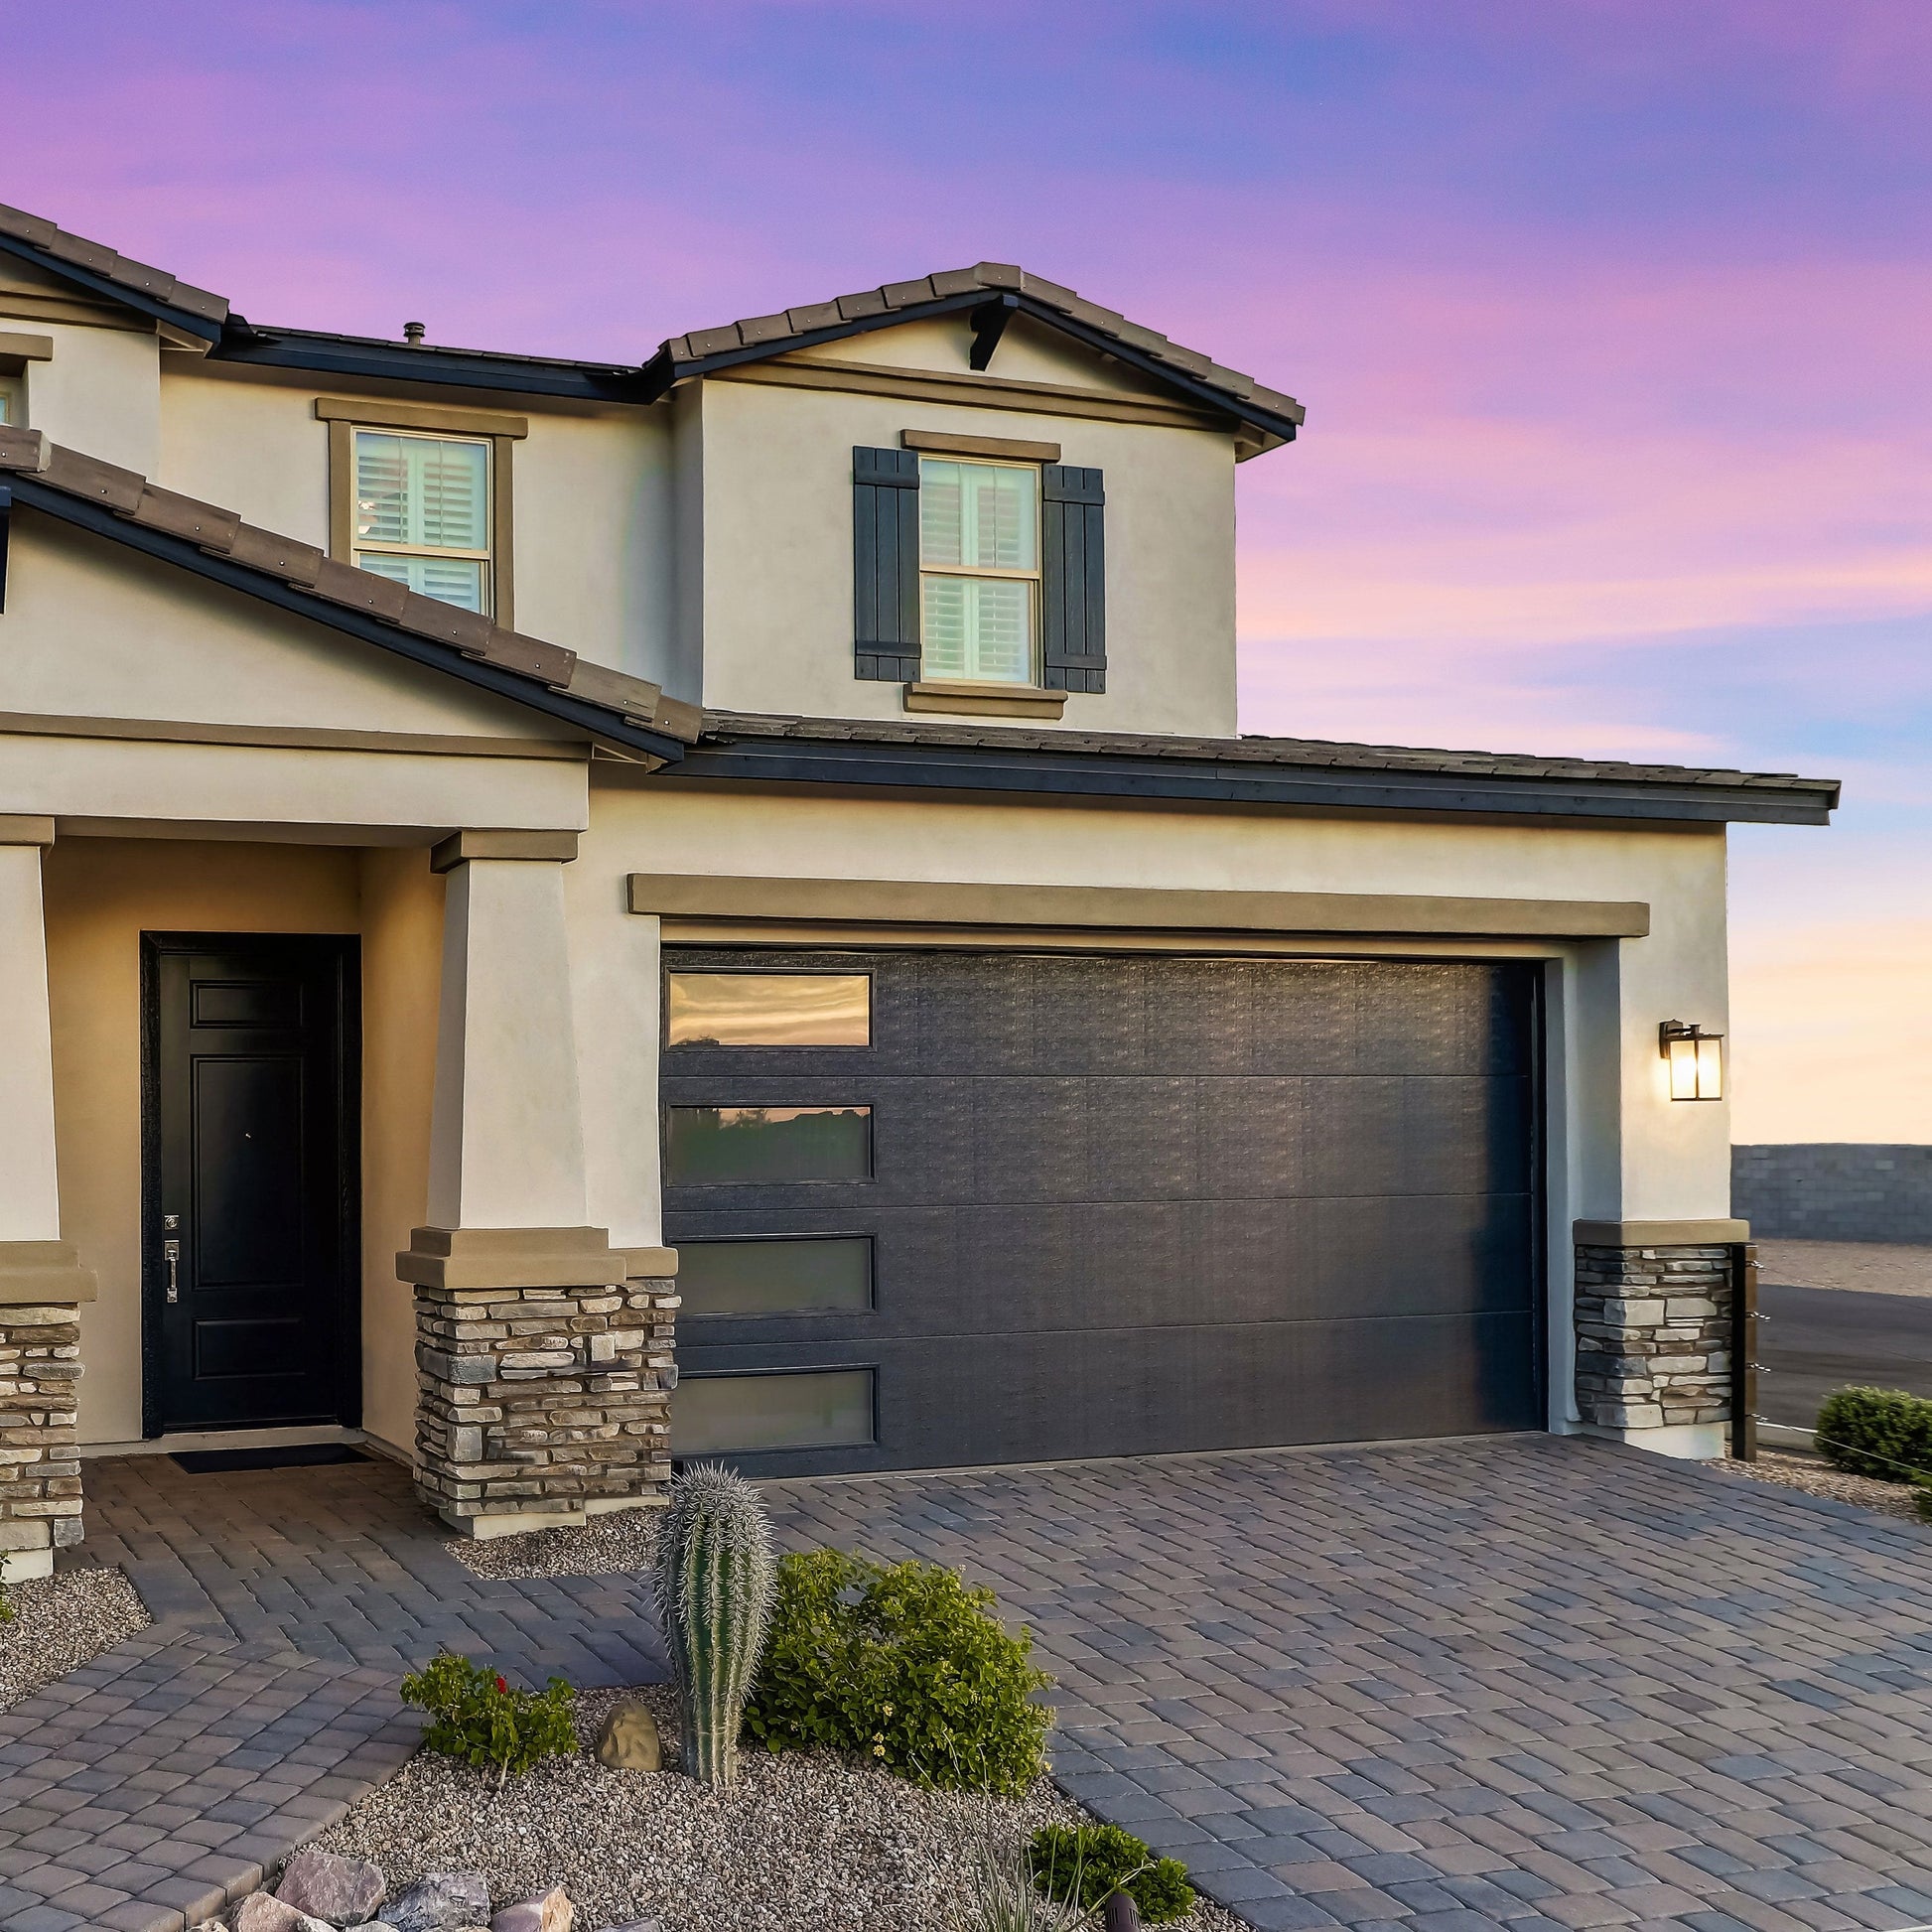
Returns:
point(1073, 579)
point(886, 564)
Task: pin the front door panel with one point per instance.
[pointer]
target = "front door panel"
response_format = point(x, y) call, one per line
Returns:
point(251, 1206)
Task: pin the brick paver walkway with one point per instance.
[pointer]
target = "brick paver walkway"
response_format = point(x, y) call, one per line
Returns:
point(1542, 1684)
point(149, 1788)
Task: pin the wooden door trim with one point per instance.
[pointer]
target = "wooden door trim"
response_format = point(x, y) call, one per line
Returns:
point(343, 951)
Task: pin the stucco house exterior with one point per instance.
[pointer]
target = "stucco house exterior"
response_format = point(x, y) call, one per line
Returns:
point(553, 915)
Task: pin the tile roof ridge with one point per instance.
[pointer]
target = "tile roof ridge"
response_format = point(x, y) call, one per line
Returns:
point(304, 567)
point(99, 259)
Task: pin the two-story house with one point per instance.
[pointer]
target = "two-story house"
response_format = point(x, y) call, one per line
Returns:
point(528, 885)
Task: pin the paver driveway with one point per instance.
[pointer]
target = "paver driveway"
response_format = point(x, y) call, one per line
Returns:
point(1549, 1684)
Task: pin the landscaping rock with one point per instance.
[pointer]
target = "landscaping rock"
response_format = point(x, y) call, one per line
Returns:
point(551, 1912)
point(444, 1901)
point(630, 1740)
point(262, 1912)
point(341, 1891)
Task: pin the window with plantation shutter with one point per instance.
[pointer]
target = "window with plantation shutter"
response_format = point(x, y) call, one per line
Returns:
point(886, 564)
point(979, 570)
point(1073, 579)
point(422, 513)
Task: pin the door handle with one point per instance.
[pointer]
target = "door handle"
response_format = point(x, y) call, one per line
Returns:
point(171, 1254)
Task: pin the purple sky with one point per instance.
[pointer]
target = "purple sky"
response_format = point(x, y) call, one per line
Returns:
point(1610, 317)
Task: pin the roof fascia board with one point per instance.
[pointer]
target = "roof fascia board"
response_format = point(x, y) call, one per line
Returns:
point(1331, 787)
point(452, 368)
point(202, 328)
point(600, 726)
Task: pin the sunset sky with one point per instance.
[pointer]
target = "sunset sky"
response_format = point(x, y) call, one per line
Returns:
point(1613, 320)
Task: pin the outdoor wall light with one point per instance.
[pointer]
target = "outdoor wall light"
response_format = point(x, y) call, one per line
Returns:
point(1695, 1060)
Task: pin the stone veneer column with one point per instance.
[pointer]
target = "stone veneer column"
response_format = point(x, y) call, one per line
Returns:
point(1654, 1325)
point(545, 1405)
point(42, 1283)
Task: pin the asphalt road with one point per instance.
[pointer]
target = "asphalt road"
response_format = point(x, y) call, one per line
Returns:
point(1817, 1340)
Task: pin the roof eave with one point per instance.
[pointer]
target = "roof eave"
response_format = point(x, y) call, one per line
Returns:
point(664, 370)
point(204, 327)
point(599, 726)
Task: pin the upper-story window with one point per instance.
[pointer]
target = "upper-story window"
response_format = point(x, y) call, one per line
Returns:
point(979, 570)
point(423, 516)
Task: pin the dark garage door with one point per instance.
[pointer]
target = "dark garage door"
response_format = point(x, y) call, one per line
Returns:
point(956, 1207)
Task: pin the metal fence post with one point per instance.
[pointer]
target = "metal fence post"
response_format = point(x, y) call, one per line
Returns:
point(1743, 1351)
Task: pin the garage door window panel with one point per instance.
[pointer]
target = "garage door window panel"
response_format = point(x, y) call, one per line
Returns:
point(775, 1276)
point(721, 1145)
point(793, 1409)
point(779, 1009)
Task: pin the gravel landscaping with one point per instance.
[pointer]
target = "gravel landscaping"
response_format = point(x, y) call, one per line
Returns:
point(806, 1842)
point(1817, 1477)
point(61, 1620)
point(627, 1539)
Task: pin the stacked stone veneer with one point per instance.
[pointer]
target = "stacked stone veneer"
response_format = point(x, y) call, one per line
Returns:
point(40, 1470)
point(1653, 1335)
point(544, 1401)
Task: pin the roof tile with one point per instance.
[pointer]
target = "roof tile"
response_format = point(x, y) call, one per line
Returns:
point(83, 253)
point(276, 556)
point(855, 308)
point(956, 281)
point(765, 329)
point(815, 315)
point(30, 228)
point(360, 590)
point(903, 295)
point(714, 342)
point(1000, 275)
point(1051, 293)
point(184, 516)
point(87, 475)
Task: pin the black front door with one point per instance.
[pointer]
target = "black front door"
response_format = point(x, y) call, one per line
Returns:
point(250, 1249)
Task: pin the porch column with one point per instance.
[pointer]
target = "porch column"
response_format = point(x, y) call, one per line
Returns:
point(42, 1282)
point(541, 1371)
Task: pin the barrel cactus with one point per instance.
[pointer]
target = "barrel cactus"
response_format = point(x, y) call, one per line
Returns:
point(716, 1581)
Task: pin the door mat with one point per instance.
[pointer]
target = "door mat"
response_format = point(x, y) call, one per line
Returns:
point(285, 1455)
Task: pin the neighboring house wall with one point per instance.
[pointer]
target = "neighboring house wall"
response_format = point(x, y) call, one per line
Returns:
point(1834, 1192)
point(101, 894)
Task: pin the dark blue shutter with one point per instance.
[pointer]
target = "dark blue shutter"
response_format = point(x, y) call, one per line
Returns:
point(1073, 579)
point(886, 564)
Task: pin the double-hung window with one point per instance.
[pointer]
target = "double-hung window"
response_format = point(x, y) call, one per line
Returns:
point(979, 570)
point(422, 513)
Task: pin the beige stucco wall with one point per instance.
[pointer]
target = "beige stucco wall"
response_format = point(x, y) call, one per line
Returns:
point(401, 906)
point(590, 497)
point(776, 490)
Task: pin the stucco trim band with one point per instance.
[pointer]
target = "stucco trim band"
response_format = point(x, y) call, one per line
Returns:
point(25, 828)
point(44, 1273)
point(471, 1258)
point(984, 700)
point(1661, 1234)
point(299, 737)
point(368, 413)
point(944, 443)
point(898, 901)
point(461, 847)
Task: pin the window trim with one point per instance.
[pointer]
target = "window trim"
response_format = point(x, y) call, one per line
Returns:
point(1035, 577)
point(344, 415)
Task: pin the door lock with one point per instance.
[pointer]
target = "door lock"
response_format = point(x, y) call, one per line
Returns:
point(171, 1254)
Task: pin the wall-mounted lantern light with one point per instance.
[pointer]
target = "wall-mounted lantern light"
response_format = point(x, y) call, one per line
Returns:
point(1695, 1060)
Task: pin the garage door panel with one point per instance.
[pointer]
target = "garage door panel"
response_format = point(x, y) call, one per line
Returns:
point(1125, 1204)
point(984, 1399)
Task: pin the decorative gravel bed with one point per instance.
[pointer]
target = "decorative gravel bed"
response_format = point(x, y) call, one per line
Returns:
point(61, 1620)
point(627, 1539)
point(808, 1842)
point(1817, 1477)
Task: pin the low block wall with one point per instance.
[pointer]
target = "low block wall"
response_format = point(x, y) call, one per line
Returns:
point(1653, 1336)
point(1833, 1191)
point(39, 1470)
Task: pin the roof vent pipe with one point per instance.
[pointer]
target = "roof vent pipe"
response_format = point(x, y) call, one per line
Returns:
point(412, 333)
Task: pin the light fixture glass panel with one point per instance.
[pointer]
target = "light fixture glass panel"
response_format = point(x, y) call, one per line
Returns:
point(721, 1415)
point(1682, 1058)
point(789, 1276)
point(1710, 1069)
point(720, 1146)
point(770, 1010)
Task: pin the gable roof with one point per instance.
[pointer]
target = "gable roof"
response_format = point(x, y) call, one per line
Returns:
point(990, 292)
point(626, 714)
point(98, 269)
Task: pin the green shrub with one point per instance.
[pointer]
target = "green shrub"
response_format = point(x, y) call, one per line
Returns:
point(6, 1602)
point(1922, 1497)
point(905, 1664)
point(475, 1715)
point(1882, 1433)
point(1098, 1860)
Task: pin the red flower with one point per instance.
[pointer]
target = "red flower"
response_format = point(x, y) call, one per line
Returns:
point(502, 1688)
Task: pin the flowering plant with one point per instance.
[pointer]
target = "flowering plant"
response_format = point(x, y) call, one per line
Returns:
point(476, 1717)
